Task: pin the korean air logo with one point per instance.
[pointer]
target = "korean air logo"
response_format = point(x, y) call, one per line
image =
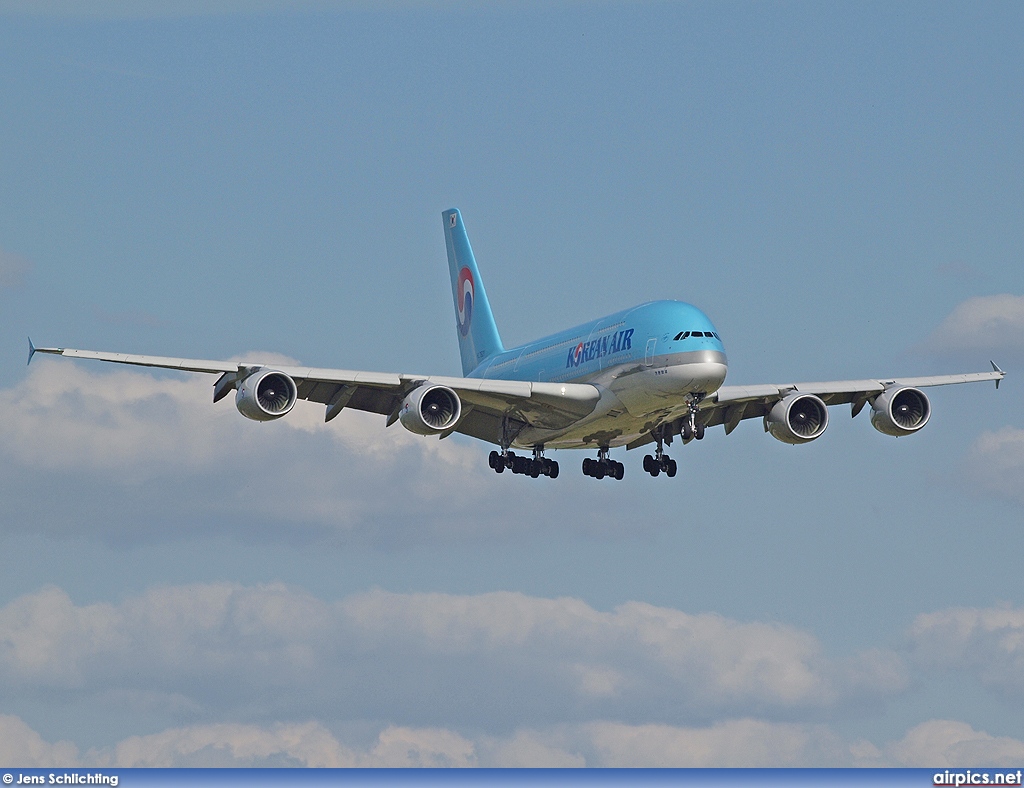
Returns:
point(577, 354)
point(464, 300)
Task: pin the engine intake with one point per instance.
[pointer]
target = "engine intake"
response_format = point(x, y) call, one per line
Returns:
point(430, 409)
point(266, 395)
point(900, 411)
point(798, 418)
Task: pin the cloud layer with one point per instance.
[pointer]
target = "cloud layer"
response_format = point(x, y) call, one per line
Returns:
point(996, 462)
point(981, 325)
point(494, 661)
point(270, 674)
point(736, 743)
point(985, 642)
point(164, 454)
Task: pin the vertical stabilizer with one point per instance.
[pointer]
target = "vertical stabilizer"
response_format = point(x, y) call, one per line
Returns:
point(478, 335)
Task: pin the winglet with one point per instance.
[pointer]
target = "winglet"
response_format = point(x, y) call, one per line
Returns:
point(995, 368)
point(31, 350)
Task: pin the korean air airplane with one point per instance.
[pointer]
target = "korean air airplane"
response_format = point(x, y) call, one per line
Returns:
point(642, 376)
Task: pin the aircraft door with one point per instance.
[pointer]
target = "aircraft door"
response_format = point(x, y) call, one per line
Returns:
point(649, 356)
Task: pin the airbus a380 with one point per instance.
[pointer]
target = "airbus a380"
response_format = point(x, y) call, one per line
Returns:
point(641, 376)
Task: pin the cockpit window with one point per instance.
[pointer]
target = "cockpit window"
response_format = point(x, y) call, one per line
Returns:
point(685, 334)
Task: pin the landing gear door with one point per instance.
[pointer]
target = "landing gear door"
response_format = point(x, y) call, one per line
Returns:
point(649, 355)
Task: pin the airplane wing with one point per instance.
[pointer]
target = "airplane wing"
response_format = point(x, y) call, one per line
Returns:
point(487, 404)
point(732, 404)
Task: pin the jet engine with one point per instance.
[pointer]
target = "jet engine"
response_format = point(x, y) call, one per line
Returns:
point(900, 411)
point(430, 409)
point(266, 395)
point(798, 418)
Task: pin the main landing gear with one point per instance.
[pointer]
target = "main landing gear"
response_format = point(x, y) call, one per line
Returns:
point(660, 462)
point(534, 468)
point(690, 429)
point(603, 466)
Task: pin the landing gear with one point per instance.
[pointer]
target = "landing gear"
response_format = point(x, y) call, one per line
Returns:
point(655, 466)
point(534, 468)
point(603, 466)
point(692, 428)
point(660, 462)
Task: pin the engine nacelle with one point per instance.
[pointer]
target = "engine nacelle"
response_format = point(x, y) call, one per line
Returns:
point(430, 409)
point(798, 418)
point(266, 395)
point(900, 411)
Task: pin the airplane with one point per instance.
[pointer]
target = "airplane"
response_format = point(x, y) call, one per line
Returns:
point(641, 376)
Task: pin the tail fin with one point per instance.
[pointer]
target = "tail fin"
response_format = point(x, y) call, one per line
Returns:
point(478, 335)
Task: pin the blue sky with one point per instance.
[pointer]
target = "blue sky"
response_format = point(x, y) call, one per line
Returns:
point(837, 186)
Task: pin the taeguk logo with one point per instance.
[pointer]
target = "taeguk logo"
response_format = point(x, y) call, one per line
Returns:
point(464, 300)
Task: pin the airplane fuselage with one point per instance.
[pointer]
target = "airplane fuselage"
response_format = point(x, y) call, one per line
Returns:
point(647, 360)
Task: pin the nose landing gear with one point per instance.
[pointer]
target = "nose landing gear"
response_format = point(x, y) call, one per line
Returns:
point(603, 466)
point(692, 428)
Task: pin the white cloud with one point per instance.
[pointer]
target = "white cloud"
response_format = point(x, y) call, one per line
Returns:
point(988, 642)
point(733, 743)
point(980, 325)
point(948, 744)
point(123, 454)
point(996, 462)
point(492, 660)
point(21, 745)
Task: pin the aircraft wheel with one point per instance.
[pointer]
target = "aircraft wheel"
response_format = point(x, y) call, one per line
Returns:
point(599, 469)
point(553, 470)
point(687, 431)
point(494, 460)
point(620, 471)
point(670, 471)
point(587, 463)
point(535, 468)
point(648, 459)
point(699, 432)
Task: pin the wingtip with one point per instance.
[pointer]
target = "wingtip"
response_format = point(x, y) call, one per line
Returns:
point(995, 368)
point(31, 351)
